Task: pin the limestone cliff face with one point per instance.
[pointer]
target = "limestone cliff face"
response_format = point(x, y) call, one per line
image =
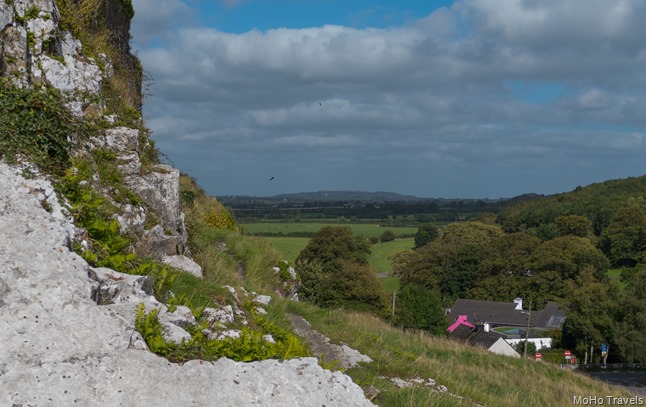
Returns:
point(66, 328)
point(36, 49)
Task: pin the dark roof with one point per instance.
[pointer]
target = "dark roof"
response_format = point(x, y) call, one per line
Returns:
point(550, 317)
point(496, 313)
point(483, 339)
point(461, 332)
point(505, 313)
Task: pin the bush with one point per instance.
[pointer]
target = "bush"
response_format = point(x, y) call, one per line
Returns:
point(36, 124)
point(531, 348)
point(420, 308)
point(387, 236)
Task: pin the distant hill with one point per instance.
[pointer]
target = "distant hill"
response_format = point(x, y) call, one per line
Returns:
point(362, 196)
point(352, 196)
point(599, 202)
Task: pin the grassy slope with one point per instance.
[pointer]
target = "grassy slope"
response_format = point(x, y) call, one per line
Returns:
point(479, 377)
point(471, 375)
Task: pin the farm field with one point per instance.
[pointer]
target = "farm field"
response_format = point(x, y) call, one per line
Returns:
point(290, 247)
point(361, 229)
point(382, 251)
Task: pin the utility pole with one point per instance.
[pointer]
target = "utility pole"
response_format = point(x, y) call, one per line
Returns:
point(529, 317)
point(394, 297)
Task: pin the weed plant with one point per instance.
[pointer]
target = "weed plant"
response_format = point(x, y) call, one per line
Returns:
point(35, 125)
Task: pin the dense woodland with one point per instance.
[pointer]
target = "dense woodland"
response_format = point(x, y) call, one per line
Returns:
point(566, 248)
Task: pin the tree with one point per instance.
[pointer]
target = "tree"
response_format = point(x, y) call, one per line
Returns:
point(331, 246)
point(625, 237)
point(590, 313)
point(632, 321)
point(334, 271)
point(451, 261)
point(425, 234)
point(573, 225)
point(356, 286)
point(420, 308)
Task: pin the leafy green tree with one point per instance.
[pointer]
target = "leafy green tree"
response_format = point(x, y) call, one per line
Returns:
point(356, 286)
point(506, 270)
point(316, 284)
point(631, 325)
point(545, 231)
point(425, 234)
point(573, 225)
point(569, 255)
point(590, 312)
point(416, 268)
point(451, 261)
point(625, 238)
point(331, 246)
point(334, 271)
point(420, 308)
point(401, 260)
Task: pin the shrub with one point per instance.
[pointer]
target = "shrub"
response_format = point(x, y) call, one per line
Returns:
point(36, 124)
point(425, 234)
point(420, 308)
point(387, 236)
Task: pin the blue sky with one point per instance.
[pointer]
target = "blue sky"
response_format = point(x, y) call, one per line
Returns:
point(465, 98)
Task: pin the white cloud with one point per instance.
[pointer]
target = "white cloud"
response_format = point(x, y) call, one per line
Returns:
point(434, 89)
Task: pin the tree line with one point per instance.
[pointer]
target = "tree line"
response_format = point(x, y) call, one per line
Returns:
point(538, 250)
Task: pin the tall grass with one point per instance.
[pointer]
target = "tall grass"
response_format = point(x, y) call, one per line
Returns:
point(479, 377)
point(227, 256)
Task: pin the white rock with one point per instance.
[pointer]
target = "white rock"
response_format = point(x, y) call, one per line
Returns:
point(183, 263)
point(60, 349)
point(182, 317)
point(110, 287)
point(223, 315)
point(262, 299)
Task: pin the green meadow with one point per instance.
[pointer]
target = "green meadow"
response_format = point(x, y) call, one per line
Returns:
point(290, 247)
point(361, 229)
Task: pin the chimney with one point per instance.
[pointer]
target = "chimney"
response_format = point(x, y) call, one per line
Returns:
point(519, 303)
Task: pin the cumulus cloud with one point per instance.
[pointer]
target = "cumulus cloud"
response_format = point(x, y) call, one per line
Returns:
point(434, 92)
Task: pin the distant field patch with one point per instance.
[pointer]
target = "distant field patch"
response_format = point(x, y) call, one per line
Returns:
point(362, 229)
point(379, 258)
point(390, 284)
point(290, 247)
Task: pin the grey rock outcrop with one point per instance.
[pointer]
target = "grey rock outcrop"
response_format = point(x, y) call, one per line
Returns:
point(34, 51)
point(158, 188)
point(182, 262)
point(60, 348)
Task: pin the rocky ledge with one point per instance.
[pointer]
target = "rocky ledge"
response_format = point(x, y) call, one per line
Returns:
point(59, 348)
